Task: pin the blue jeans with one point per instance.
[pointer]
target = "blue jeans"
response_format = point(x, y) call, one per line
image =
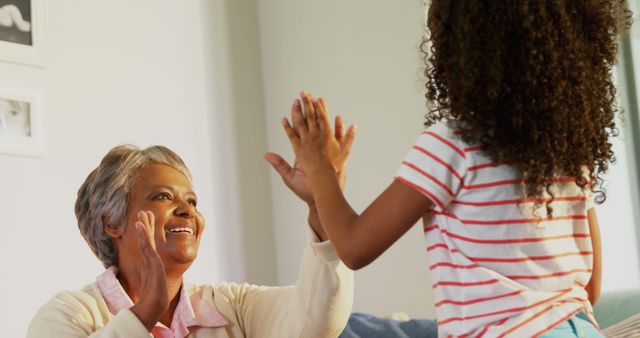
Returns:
point(572, 328)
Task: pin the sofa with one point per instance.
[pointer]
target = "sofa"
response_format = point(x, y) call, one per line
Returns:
point(617, 307)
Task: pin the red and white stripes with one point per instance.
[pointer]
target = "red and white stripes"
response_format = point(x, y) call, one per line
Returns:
point(500, 266)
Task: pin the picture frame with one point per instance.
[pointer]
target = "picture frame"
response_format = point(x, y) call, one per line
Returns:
point(21, 32)
point(21, 123)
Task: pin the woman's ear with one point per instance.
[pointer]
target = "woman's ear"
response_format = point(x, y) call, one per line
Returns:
point(111, 229)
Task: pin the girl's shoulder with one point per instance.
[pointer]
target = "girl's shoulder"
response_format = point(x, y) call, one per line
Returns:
point(445, 128)
point(444, 132)
point(449, 130)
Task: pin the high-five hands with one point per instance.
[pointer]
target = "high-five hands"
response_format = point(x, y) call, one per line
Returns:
point(316, 145)
point(339, 140)
point(294, 177)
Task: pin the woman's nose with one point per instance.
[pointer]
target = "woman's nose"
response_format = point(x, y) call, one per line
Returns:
point(185, 209)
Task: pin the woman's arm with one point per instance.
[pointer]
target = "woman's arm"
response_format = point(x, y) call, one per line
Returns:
point(80, 315)
point(593, 287)
point(83, 314)
point(317, 306)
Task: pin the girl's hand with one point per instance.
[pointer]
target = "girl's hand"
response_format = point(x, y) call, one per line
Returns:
point(294, 177)
point(153, 301)
point(316, 145)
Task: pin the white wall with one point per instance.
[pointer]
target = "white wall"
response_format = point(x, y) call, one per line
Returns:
point(618, 220)
point(239, 141)
point(116, 71)
point(362, 56)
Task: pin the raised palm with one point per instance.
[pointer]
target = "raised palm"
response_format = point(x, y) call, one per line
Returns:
point(293, 177)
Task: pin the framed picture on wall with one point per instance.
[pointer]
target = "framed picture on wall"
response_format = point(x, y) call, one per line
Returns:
point(21, 39)
point(21, 124)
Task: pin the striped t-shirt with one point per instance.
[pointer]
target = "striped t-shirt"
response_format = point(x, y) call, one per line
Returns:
point(498, 267)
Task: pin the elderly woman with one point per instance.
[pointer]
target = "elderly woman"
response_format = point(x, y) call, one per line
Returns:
point(138, 212)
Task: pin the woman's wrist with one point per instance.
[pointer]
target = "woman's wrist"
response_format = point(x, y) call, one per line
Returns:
point(146, 315)
point(314, 222)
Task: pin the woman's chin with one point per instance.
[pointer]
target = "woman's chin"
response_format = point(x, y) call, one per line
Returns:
point(179, 255)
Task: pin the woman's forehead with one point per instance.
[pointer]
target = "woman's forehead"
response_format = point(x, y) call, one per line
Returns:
point(161, 175)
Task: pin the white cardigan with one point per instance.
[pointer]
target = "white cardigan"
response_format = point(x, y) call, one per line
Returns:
point(318, 305)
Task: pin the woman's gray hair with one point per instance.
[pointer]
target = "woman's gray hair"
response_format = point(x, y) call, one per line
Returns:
point(104, 195)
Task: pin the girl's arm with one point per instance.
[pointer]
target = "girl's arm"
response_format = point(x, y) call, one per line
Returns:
point(358, 239)
point(593, 287)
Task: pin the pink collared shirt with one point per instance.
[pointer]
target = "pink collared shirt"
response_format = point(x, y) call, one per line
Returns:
point(191, 310)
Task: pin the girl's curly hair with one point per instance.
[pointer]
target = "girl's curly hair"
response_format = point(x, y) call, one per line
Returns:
point(529, 80)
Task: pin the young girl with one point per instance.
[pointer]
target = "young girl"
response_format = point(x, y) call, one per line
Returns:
point(505, 175)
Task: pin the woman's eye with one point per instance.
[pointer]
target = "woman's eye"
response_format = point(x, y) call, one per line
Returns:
point(193, 202)
point(163, 196)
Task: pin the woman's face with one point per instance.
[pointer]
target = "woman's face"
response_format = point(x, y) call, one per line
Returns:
point(178, 226)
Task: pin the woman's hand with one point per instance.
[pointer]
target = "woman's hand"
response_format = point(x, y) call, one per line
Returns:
point(153, 299)
point(293, 177)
